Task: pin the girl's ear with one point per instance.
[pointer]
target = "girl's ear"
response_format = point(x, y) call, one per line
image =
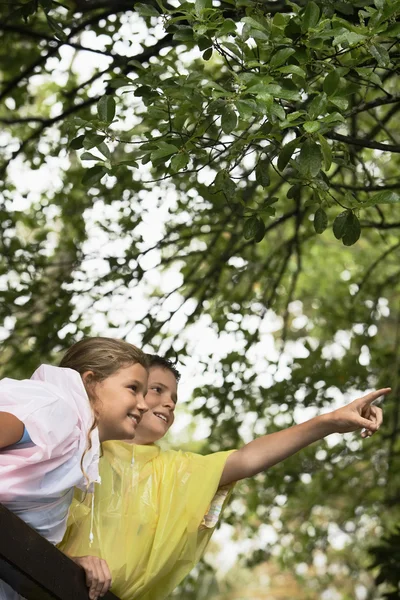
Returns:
point(89, 382)
point(88, 378)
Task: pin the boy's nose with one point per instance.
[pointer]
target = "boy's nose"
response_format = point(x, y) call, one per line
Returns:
point(169, 403)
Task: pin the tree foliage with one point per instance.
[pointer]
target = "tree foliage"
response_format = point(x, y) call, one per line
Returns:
point(269, 133)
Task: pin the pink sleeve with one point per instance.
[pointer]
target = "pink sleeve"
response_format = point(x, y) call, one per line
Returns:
point(50, 421)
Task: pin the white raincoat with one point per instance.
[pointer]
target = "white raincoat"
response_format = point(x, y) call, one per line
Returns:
point(37, 480)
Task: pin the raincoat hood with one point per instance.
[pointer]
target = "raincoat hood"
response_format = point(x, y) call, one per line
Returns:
point(70, 384)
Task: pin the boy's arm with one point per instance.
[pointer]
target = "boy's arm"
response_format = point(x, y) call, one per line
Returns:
point(268, 450)
point(11, 429)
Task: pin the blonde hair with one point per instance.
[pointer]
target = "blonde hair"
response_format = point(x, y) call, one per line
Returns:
point(103, 356)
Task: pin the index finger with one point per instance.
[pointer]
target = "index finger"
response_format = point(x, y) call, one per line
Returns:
point(369, 398)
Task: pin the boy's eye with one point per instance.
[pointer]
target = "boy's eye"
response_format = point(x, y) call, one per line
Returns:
point(133, 388)
point(156, 389)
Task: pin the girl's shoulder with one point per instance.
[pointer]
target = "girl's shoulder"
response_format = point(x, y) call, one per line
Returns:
point(53, 404)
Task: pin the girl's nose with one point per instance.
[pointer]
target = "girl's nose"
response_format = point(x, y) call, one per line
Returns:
point(141, 404)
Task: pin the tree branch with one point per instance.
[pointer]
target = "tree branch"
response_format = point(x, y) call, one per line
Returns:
point(43, 36)
point(369, 224)
point(374, 103)
point(363, 142)
point(366, 188)
point(42, 59)
point(45, 123)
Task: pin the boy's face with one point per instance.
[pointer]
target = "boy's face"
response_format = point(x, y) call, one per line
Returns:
point(161, 399)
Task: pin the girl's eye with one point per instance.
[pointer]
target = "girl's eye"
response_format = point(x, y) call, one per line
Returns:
point(133, 388)
point(156, 389)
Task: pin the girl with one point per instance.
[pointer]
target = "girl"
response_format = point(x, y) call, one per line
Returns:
point(156, 510)
point(51, 427)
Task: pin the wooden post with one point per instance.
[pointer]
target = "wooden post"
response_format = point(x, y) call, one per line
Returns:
point(35, 568)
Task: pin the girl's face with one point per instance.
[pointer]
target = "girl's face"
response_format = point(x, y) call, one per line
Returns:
point(119, 402)
point(161, 399)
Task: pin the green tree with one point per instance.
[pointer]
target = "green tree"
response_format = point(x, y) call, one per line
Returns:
point(269, 132)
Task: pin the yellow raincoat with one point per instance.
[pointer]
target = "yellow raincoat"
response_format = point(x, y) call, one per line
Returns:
point(151, 517)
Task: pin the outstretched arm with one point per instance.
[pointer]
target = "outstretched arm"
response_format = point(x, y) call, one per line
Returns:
point(268, 450)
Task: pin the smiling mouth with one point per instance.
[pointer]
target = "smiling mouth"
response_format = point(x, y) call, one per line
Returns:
point(134, 418)
point(160, 416)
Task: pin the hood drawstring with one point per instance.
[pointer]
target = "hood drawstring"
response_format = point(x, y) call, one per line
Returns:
point(91, 536)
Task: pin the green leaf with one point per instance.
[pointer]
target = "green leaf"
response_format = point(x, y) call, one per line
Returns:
point(259, 236)
point(393, 30)
point(331, 83)
point(384, 197)
point(254, 23)
point(340, 224)
point(246, 108)
point(223, 183)
point(201, 5)
point(310, 159)
point(282, 93)
point(143, 91)
point(165, 151)
point(294, 191)
point(320, 220)
point(347, 227)
point(293, 70)
point(146, 10)
point(57, 29)
point(286, 154)
point(311, 126)
point(310, 17)
point(317, 106)
point(77, 142)
point(326, 152)
point(118, 82)
point(207, 54)
point(204, 43)
point(254, 228)
point(341, 103)
point(104, 149)
point(228, 26)
point(350, 38)
point(92, 139)
point(228, 119)
point(179, 161)
point(93, 175)
point(277, 110)
point(89, 156)
point(380, 54)
point(135, 63)
point(126, 163)
point(106, 108)
point(262, 176)
point(352, 230)
point(280, 57)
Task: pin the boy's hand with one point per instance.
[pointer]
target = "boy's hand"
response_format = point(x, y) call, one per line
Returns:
point(360, 414)
point(98, 576)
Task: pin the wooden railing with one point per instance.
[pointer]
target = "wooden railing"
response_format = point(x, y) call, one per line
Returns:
point(34, 567)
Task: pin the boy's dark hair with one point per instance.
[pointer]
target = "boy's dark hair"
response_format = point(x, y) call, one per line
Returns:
point(164, 363)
